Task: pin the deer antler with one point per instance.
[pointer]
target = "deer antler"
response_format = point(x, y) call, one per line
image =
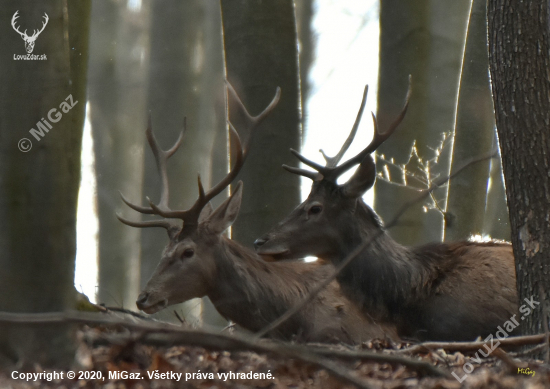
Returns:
point(331, 171)
point(24, 34)
point(13, 19)
point(38, 32)
point(161, 157)
point(190, 217)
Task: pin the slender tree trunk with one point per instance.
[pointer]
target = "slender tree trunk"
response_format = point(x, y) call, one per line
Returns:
point(212, 117)
point(182, 83)
point(497, 222)
point(39, 188)
point(424, 39)
point(519, 62)
point(117, 79)
point(304, 18)
point(261, 54)
point(473, 135)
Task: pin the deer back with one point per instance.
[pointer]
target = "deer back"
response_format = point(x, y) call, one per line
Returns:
point(439, 291)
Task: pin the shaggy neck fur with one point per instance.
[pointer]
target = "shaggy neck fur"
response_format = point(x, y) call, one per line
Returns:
point(253, 293)
point(385, 276)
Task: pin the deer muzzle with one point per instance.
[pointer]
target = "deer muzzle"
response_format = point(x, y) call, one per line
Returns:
point(147, 303)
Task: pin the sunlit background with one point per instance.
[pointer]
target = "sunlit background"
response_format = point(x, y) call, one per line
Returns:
point(346, 58)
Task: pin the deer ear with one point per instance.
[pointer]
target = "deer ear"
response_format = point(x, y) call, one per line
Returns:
point(362, 180)
point(227, 212)
point(206, 212)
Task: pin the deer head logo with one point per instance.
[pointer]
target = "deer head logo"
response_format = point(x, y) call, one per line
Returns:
point(29, 40)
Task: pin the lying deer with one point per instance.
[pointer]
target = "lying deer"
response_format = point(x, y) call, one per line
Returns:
point(200, 261)
point(440, 291)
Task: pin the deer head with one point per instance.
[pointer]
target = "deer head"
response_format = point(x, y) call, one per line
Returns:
point(186, 269)
point(29, 40)
point(319, 226)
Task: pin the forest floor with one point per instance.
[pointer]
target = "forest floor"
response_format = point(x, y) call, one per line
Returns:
point(120, 356)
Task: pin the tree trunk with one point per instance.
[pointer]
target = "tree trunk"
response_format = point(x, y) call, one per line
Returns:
point(496, 222)
point(473, 134)
point(39, 188)
point(184, 81)
point(261, 54)
point(117, 81)
point(304, 17)
point(426, 40)
point(519, 62)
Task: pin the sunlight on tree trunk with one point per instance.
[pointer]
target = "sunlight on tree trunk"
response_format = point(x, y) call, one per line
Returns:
point(473, 134)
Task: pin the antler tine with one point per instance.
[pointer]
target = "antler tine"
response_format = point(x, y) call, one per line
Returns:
point(13, 20)
point(301, 172)
point(44, 23)
point(377, 139)
point(150, 223)
point(333, 161)
point(161, 157)
point(308, 162)
point(191, 216)
point(253, 121)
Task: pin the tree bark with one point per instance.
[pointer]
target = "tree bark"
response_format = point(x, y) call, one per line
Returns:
point(424, 39)
point(304, 18)
point(261, 54)
point(39, 188)
point(185, 80)
point(117, 80)
point(519, 62)
point(473, 133)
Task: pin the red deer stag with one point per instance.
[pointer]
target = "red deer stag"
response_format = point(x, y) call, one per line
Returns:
point(440, 291)
point(200, 261)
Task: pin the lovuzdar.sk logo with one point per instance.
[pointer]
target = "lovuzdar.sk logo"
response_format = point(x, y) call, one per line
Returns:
point(29, 40)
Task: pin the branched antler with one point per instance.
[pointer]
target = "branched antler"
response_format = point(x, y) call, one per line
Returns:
point(191, 216)
point(331, 171)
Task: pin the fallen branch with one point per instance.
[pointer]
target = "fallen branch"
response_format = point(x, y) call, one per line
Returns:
point(200, 338)
point(421, 367)
point(473, 346)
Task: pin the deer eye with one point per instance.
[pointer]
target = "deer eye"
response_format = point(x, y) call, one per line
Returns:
point(316, 209)
point(188, 253)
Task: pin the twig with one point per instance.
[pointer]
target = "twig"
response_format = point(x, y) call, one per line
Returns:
point(181, 320)
point(508, 361)
point(422, 367)
point(228, 327)
point(105, 309)
point(200, 338)
point(437, 183)
point(473, 346)
point(313, 292)
point(532, 350)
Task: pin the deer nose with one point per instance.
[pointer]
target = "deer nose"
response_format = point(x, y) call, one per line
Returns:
point(260, 242)
point(142, 299)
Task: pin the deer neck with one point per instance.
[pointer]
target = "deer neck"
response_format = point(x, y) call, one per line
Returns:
point(385, 275)
point(251, 292)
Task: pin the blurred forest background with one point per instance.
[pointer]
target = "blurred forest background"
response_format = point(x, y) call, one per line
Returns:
point(124, 60)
